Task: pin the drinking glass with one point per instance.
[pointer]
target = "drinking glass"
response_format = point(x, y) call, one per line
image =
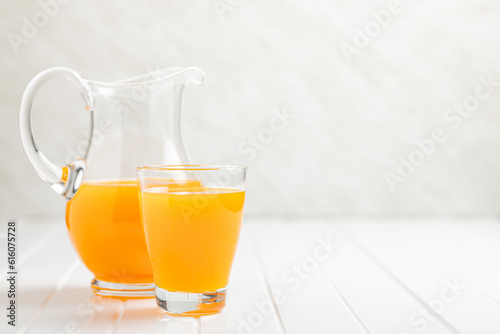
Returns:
point(192, 219)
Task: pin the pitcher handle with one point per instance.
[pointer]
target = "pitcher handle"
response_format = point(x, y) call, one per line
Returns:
point(65, 180)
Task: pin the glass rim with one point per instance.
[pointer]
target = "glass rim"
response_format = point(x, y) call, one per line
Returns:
point(184, 168)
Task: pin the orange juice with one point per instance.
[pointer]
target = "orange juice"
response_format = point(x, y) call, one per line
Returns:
point(192, 235)
point(104, 224)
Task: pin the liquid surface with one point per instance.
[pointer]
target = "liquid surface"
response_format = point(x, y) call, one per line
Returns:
point(104, 224)
point(192, 236)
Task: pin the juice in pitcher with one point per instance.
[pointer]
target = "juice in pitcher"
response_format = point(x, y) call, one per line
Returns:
point(104, 224)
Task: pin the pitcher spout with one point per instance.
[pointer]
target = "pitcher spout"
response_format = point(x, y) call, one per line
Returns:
point(190, 75)
point(175, 75)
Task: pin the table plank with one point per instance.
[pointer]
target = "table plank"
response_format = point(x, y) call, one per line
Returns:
point(31, 237)
point(379, 301)
point(74, 308)
point(473, 253)
point(409, 252)
point(302, 298)
point(367, 299)
point(376, 277)
point(45, 254)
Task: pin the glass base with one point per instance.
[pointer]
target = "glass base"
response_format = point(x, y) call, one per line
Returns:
point(123, 290)
point(190, 303)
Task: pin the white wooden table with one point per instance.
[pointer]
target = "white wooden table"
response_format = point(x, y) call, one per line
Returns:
point(291, 275)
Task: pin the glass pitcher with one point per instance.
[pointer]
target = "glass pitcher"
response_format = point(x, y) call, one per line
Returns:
point(133, 122)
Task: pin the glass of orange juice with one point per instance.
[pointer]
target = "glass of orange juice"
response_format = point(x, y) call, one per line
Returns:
point(191, 216)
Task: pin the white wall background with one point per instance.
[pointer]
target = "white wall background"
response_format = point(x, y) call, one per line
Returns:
point(352, 119)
